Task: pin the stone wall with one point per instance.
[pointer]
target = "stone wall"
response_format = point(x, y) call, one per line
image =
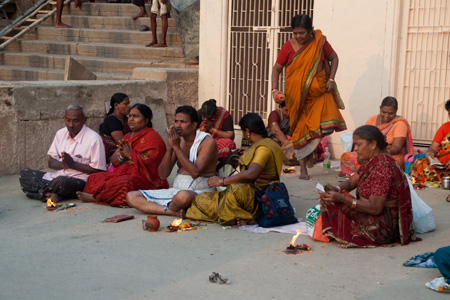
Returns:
point(32, 112)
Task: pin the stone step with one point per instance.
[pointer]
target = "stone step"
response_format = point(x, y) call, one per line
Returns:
point(116, 36)
point(93, 64)
point(96, 22)
point(13, 73)
point(105, 9)
point(101, 50)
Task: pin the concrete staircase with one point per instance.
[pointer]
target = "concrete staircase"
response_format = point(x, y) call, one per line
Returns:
point(104, 39)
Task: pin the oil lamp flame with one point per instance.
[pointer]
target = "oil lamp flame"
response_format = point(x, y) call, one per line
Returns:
point(413, 180)
point(50, 203)
point(299, 231)
point(176, 222)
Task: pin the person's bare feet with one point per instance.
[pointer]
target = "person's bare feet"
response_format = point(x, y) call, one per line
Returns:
point(62, 25)
point(240, 223)
point(139, 15)
point(85, 197)
point(303, 170)
point(303, 176)
point(151, 44)
point(159, 45)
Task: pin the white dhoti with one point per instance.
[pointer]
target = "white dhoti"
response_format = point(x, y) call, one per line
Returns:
point(181, 183)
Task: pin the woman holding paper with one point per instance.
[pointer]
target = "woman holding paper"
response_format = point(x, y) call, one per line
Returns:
point(381, 214)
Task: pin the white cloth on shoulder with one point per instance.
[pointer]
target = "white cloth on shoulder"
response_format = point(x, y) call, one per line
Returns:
point(199, 137)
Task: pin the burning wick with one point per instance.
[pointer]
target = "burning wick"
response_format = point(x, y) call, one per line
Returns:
point(413, 180)
point(175, 225)
point(291, 248)
point(51, 205)
point(299, 231)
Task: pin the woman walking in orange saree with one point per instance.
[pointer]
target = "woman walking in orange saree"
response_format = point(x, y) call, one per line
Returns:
point(312, 97)
point(396, 131)
point(136, 160)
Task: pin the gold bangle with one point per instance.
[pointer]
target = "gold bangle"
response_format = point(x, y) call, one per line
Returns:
point(331, 79)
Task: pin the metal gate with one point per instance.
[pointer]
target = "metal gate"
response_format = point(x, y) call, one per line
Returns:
point(258, 29)
point(423, 81)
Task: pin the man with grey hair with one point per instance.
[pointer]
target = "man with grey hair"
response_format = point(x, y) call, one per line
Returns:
point(76, 152)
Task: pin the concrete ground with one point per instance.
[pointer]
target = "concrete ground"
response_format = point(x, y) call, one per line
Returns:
point(73, 254)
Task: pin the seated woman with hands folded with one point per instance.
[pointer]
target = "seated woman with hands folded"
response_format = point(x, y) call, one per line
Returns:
point(136, 160)
point(381, 214)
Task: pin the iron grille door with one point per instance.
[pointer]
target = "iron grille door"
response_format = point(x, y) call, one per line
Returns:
point(423, 84)
point(258, 29)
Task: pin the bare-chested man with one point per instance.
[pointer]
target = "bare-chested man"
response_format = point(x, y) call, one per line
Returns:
point(195, 152)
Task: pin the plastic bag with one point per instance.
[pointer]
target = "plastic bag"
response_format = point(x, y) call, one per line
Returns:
point(347, 140)
point(422, 214)
point(314, 224)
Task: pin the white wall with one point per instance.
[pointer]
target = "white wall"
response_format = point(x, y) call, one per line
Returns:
point(363, 34)
point(213, 50)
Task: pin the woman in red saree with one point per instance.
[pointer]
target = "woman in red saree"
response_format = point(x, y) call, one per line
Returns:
point(312, 97)
point(382, 212)
point(396, 131)
point(136, 160)
point(439, 149)
point(218, 122)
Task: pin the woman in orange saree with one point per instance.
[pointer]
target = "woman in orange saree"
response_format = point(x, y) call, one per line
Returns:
point(312, 97)
point(396, 131)
point(136, 160)
point(439, 149)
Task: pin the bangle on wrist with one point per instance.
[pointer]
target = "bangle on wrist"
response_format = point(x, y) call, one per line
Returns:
point(331, 79)
point(338, 188)
point(354, 204)
point(223, 181)
point(120, 158)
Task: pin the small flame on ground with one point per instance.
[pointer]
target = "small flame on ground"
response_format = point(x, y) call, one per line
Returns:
point(413, 180)
point(50, 202)
point(299, 231)
point(176, 222)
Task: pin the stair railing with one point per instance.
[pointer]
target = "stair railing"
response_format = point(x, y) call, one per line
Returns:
point(38, 8)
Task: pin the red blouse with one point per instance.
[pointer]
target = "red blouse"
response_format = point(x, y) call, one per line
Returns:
point(287, 52)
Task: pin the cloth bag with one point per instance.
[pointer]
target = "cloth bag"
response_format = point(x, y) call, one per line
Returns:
point(276, 210)
point(422, 214)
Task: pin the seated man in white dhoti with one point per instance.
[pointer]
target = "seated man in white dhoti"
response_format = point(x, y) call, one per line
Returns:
point(195, 153)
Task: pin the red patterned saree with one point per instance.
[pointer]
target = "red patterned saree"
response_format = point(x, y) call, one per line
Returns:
point(380, 176)
point(141, 172)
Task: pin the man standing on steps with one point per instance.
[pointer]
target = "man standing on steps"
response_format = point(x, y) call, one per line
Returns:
point(158, 6)
point(163, 8)
point(59, 9)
